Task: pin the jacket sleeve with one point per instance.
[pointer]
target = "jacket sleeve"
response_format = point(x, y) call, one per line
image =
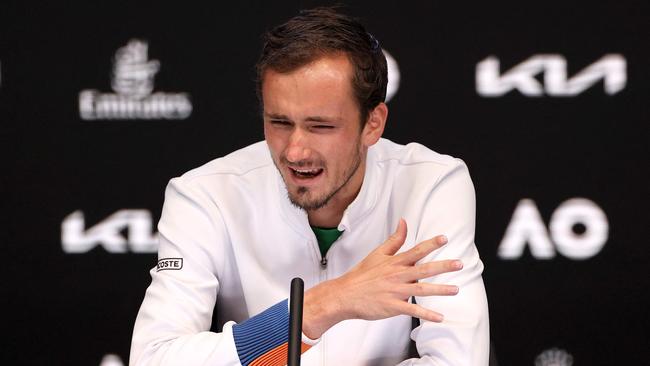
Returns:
point(172, 326)
point(462, 339)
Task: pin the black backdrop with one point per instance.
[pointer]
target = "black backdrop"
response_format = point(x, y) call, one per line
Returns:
point(527, 154)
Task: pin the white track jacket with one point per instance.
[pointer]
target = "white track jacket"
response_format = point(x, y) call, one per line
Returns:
point(230, 242)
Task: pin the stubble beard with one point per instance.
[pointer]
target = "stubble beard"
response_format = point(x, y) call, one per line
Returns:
point(301, 199)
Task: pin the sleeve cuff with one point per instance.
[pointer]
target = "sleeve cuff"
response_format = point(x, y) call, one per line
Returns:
point(264, 337)
point(308, 341)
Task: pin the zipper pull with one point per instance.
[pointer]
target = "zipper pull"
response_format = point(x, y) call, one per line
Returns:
point(323, 262)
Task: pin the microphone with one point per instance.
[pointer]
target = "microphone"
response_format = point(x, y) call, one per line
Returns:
point(295, 321)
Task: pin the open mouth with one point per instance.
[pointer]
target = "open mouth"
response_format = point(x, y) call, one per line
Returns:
point(306, 173)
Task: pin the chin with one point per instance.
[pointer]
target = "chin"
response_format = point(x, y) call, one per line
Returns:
point(306, 202)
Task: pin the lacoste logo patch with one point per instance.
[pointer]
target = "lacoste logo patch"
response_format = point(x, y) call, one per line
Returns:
point(169, 263)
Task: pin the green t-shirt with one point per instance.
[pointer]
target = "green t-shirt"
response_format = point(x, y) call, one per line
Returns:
point(325, 237)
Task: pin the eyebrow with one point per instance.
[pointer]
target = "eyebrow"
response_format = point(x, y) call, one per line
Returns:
point(282, 117)
point(275, 116)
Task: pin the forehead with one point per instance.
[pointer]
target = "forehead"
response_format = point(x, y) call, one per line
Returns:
point(321, 89)
point(332, 72)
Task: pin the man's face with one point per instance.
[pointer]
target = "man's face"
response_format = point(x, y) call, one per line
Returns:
point(313, 129)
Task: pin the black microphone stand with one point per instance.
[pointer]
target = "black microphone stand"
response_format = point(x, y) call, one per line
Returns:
point(295, 321)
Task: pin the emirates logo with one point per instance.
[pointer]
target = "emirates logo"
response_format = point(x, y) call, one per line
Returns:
point(133, 85)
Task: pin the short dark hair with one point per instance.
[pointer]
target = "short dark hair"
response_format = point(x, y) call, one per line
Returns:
point(323, 31)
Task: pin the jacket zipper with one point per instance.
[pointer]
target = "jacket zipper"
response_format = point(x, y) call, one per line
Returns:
point(323, 277)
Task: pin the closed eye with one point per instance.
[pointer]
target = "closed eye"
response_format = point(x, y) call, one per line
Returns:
point(280, 122)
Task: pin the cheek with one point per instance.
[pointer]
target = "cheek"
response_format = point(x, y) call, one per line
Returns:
point(339, 155)
point(274, 142)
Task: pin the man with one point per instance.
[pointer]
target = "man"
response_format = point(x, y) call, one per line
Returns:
point(326, 199)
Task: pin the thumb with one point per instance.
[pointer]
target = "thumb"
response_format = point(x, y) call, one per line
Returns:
point(396, 240)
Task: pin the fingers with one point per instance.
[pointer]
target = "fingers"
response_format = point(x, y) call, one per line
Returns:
point(430, 289)
point(430, 269)
point(396, 240)
point(419, 312)
point(423, 249)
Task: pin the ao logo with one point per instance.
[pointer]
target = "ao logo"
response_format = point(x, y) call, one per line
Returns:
point(611, 68)
point(108, 233)
point(111, 360)
point(393, 76)
point(527, 228)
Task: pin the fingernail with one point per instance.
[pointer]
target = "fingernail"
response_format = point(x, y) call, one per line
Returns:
point(458, 264)
point(442, 239)
point(454, 290)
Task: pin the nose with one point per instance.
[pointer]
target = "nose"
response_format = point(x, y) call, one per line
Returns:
point(298, 149)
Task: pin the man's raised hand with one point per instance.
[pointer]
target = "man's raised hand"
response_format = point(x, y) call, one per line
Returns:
point(380, 286)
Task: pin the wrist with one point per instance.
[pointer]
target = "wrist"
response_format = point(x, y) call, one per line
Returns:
point(322, 309)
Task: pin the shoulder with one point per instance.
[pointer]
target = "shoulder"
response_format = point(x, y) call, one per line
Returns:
point(224, 180)
point(418, 180)
point(239, 163)
point(415, 158)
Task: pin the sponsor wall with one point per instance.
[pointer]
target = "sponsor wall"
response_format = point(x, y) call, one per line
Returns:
point(547, 103)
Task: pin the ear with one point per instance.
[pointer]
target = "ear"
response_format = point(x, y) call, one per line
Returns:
point(374, 127)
